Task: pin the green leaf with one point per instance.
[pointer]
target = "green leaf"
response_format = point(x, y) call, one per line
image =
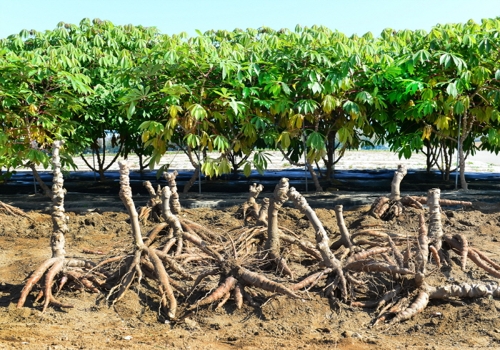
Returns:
point(412, 86)
point(131, 110)
point(285, 88)
point(421, 56)
point(351, 108)
point(316, 141)
point(451, 89)
point(260, 161)
point(197, 111)
point(364, 97)
point(329, 103)
point(306, 106)
point(459, 108)
point(284, 139)
point(315, 87)
point(234, 105)
point(344, 135)
point(445, 60)
point(247, 169)
point(221, 143)
point(192, 140)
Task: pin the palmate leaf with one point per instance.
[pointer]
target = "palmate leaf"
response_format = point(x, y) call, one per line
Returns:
point(315, 87)
point(364, 97)
point(345, 135)
point(351, 108)
point(426, 107)
point(442, 123)
point(192, 140)
point(260, 122)
point(421, 56)
point(260, 161)
point(459, 108)
point(296, 121)
point(306, 106)
point(316, 141)
point(197, 111)
point(131, 109)
point(412, 86)
point(174, 89)
point(249, 130)
point(285, 88)
point(329, 103)
point(447, 59)
point(220, 143)
point(236, 106)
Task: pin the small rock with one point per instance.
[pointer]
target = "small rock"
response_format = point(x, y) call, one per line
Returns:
point(127, 337)
point(191, 324)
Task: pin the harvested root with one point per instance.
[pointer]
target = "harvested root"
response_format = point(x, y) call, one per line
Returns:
point(345, 237)
point(417, 306)
point(444, 202)
point(13, 211)
point(250, 209)
point(322, 241)
point(458, 247)
point(386, 208)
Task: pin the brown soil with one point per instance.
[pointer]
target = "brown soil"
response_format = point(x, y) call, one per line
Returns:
point(281, 322)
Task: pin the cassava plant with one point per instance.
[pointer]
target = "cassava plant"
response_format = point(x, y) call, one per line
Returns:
point(145, 260)
point(433, 242)
point(58, 267)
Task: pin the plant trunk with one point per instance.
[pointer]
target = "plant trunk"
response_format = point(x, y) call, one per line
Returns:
point(309, 167)
point(435, 227)
point(192, 180)
point(396, 182)
point(273, 235)
point(330, 154)
point(461, 156)
point(174, 197)
point(101, 168)
point(196, 174)
point(46, 190)
point(59, 218)
point(314, 177)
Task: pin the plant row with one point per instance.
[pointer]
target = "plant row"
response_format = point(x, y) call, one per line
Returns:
point(311, 93)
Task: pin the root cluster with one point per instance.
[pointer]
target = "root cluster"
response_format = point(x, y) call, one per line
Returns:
point(258, 260)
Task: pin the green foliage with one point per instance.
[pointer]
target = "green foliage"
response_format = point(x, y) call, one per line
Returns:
point(235, 92)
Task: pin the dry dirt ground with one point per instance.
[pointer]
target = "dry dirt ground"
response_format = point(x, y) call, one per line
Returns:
point(278, 322)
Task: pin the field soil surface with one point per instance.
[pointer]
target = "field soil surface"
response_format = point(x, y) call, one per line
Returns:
point(311, 322)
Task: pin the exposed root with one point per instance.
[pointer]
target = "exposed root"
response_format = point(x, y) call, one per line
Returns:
point(13, 211)
point(417, 306)
point(387, 208)
point(58, 266)
point(250, 209)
